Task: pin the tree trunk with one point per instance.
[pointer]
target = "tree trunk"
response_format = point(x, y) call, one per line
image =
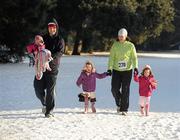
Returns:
point(77, 44)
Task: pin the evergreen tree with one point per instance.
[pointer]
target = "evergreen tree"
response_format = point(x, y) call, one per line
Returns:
point(71, 18)
point(143, 19)
point(21, 20)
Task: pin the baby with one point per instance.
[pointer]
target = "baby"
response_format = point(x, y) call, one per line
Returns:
point(42, 56)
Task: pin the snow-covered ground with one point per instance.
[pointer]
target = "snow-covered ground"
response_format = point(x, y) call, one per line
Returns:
point(21, 117)
point(72, 124)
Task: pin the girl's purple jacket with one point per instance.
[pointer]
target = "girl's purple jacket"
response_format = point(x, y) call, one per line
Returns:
point(89, 81)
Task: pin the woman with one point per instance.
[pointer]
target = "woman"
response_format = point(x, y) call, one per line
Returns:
point(122, 60)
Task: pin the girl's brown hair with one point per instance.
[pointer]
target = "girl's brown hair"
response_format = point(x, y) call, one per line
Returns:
point(146, 68)
point(89, 63)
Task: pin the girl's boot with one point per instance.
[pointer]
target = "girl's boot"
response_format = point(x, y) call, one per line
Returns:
point(142, 110)
point(147, 109)
point(86, 104)
point(93, 107)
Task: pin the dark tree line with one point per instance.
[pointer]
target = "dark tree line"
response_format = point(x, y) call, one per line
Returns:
point(93, 24)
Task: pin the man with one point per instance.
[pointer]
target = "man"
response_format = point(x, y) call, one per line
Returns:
point(122, 60)
point(54, 43)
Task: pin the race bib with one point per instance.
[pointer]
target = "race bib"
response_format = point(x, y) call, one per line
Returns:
point(122, 64)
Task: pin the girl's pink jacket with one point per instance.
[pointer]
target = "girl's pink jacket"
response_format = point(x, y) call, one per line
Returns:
point(146, 85)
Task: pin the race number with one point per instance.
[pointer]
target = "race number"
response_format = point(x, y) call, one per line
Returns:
point(122, 65)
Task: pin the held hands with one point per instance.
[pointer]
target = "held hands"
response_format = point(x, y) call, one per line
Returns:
point(109, 73)
point(136, 71)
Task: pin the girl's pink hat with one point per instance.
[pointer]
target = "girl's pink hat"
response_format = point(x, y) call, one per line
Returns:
point(147, 66)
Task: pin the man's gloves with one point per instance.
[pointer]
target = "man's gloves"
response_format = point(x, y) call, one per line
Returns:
point(136, 71)
point(109, 73)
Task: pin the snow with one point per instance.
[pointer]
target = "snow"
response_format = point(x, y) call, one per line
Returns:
point(72, 124)
point(21, 117)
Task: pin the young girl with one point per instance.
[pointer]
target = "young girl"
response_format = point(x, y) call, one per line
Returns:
point(87, 79)
point(147, 84)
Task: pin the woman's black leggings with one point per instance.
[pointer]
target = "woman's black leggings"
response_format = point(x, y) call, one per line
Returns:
point(120, 88)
